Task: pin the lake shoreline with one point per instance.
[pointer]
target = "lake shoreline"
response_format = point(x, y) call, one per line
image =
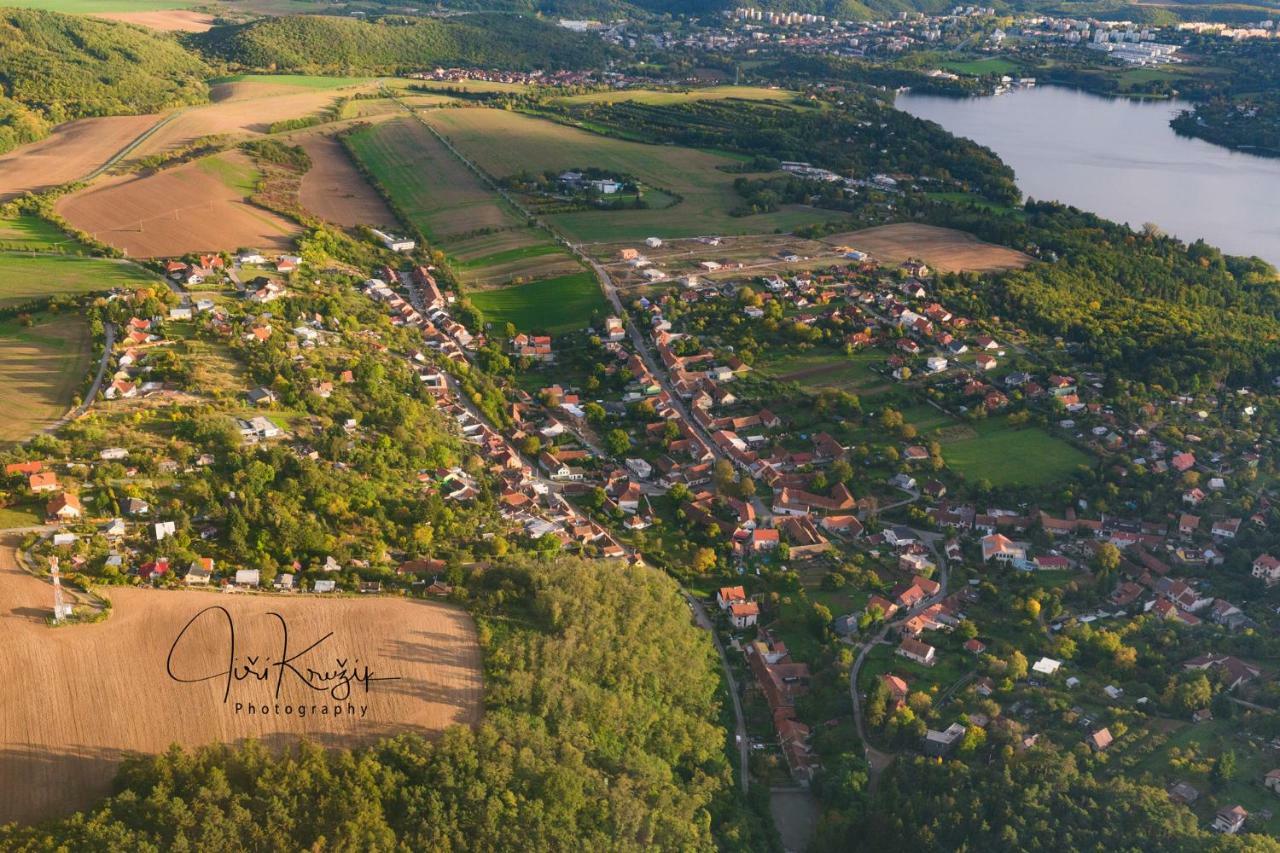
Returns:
point(1120, 158)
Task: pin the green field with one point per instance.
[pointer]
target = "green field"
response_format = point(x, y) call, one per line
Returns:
point(508, 256)
point(504, 143)
point(819, 369)
point(655, 96)
point(11, 516)
point(25, 277)
point(1009, 456)
point(950, 667)
point(32, 233)
point(460, 85)
point(239, 175)
point(981, 67)
point(552, 305)
point(41, 368)
point(488, 239)
point(307, 81)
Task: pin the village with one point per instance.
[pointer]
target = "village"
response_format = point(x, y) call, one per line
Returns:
point(867, 563)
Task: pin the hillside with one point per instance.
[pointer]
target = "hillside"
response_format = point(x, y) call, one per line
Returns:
point(588, 743)
point(313, 43)
point(55, 67)
point(883, 9)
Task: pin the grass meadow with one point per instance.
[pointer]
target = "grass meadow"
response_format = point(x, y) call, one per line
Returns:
point(41, 368)
point(552, 305)
point(24, 277)
point(488, 240)
point(504, 143)
point(1010, 456)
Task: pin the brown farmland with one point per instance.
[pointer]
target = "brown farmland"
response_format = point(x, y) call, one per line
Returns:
point(77, 699)
point(242, 109)
point(943, 248)
point(332, 189)
point(71, 152)
point(164, 20)
point(175, 211)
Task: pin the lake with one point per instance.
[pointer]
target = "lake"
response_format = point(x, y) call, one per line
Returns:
point(1120, 159)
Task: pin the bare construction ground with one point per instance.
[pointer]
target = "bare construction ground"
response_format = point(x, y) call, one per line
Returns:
point(79, 698)
point(188, 208)
point(942, 248)
point(332, 189)
point(71, 152)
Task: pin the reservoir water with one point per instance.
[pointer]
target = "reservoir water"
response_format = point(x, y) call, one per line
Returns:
point(1120, 159)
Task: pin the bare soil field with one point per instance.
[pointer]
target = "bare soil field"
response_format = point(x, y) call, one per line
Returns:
point(72, 151)
point(79, 698)
point(184, 209)
point(332, 189)
point(942, 248)
point(243, 109)
point(164, 20)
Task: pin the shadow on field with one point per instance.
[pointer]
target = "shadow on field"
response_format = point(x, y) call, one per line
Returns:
point(37, 783)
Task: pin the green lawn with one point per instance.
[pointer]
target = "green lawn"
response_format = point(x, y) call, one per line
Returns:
point(509, 255)
point(240, 176)
point(455, 209)
point(25, 277)
point(552, 305)
point(981, 67)
point(1008, 456)
point(504, 143)
point(926, 418)
point(33, 233)
point(948, 668)
point(973, 198)
point(12, 516)
point(654, 96)
point(823, 368)
point(42, 365)
point(309, 81)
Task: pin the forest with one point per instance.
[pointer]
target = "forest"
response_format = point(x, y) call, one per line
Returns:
point(1039, 799)
point(1251, 123)
point(591, 740)
point(54, 68)
point(1142, 304)
point(316, 44)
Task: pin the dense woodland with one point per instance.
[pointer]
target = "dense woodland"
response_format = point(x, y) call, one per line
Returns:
point(592, 740)
point(55, 67)
point(1039, 800)
point(345, 45)
point(1251, 123)
point(1143, 305)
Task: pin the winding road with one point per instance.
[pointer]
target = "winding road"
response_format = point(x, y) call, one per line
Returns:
point(610, 291)
point(108, 343)
point(878, 760)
